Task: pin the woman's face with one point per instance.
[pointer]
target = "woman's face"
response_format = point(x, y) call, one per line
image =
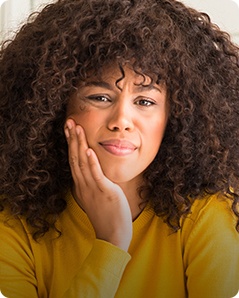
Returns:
point(124, 124)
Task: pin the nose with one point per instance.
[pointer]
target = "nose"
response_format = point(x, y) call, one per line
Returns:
point(121, 117)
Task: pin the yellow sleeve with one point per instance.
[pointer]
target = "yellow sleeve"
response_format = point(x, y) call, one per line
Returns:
point(17, 276)
point(100, 274)
point(211, 253)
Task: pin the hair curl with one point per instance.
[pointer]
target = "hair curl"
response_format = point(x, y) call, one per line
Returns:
point(58, 47)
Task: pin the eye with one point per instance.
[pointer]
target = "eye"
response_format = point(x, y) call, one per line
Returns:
point(99, 98)
point(145, 102)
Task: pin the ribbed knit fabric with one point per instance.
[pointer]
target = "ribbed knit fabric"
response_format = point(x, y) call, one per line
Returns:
point(199, 261)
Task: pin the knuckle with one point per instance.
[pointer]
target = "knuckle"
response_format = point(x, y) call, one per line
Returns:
point(71, 138)
point(73, 160)
point(98, 178)
point(81, 165)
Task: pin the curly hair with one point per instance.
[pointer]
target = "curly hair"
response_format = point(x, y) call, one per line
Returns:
point(67, 41)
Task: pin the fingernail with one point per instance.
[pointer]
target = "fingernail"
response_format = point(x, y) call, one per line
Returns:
point(88, 152)
point(69, 124)
point(67, 132)
point(78, 130)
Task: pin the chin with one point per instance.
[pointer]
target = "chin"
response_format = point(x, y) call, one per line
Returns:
point(121, 178)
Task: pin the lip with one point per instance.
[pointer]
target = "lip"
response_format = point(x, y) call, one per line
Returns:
point(118, 147)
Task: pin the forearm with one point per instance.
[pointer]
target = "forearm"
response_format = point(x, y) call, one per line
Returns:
point(101, 272)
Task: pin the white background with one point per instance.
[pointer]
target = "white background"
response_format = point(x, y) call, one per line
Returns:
point(225, 13)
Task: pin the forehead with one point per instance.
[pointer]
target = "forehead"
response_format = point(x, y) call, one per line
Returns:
point(118, 78)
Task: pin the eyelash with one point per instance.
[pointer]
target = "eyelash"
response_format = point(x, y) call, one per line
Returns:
point(147, 101)
point(141, 102)
point(99, 98)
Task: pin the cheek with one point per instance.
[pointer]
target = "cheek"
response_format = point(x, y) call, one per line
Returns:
point(76, 109)
point(90, 123)
point(81, 116)
point(156, 131)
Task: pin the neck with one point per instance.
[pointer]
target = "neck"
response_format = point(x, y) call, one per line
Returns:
point(135, 202)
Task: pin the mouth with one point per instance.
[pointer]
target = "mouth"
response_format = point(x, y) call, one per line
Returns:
point(118, 147)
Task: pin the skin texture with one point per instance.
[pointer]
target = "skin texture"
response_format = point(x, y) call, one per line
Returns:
point(101, 115)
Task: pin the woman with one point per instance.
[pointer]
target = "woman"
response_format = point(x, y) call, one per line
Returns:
point(119, 153)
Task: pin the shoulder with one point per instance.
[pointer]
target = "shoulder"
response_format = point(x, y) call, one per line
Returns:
point(11, 225)
point(210, 245)
point(211, 217)
point(212, 207)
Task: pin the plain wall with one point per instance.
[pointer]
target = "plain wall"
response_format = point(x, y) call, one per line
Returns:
point(225, 13)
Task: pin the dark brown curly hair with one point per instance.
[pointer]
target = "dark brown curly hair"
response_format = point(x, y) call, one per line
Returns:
point(58, 47)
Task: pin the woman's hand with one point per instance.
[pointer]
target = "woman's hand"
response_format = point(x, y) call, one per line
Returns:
point(103, 201)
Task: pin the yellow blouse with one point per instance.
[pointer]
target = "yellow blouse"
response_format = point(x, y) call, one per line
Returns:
point(199, 261)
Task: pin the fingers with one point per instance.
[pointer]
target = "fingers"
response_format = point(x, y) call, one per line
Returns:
point(85, 166)
point(72, 147)
point(78, 159)
point(100, 180)
point(77, 146)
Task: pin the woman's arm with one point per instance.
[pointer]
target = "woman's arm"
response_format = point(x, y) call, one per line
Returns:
point(103, 201)
point(17, 271)
point(101, 272)
point(212, 251)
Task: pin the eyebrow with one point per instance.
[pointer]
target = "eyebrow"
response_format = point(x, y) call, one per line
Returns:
point(98, 84)
point(147, 87)
point(106, 85)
